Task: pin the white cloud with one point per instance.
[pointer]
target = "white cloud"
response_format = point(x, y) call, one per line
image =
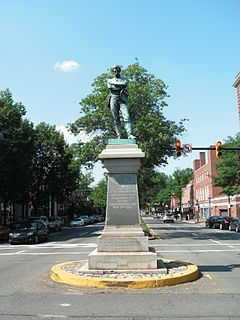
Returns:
point(67, 66)
point(70, 138)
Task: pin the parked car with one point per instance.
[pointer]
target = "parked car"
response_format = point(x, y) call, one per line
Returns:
point(168, 218)
point(55, 223)
point(101, 218)
point(4, 232)
point(92, 219)
point(86, 219)
point(209, 222)
point(28, 232)
point(222, 222)
point(95, 218)
point(76, 222)
point(235, 225)
point(44, 219)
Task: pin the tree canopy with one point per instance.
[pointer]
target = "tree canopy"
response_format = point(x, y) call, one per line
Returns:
point(36, 164)
point(228, 168)
point(55, 175)
point(16, 149)
point(180, 179)
point(154, 133)
point(99, 195)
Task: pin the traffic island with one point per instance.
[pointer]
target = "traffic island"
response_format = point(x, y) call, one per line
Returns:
point(123, 258)
point(168, 273)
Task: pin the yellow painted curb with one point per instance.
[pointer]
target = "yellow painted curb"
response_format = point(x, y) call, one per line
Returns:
point(58, 275)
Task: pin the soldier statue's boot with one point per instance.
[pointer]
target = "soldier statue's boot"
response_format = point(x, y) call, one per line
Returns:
point(129, 131)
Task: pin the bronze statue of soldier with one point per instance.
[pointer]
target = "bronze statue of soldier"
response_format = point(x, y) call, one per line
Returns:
point(117, 101)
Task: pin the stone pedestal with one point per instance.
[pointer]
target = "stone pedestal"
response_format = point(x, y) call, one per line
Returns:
point(122, 245)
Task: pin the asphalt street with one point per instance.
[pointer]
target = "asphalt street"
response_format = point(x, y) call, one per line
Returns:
point(27, 292)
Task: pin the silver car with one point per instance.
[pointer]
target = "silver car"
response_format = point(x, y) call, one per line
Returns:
point(77, 222)
point(168, 218)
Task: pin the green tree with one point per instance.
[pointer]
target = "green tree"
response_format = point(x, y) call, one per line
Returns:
point(228, 168)
point(80, 198)
point(155, 134)
point(55, 174)
point(165, 191)
point(157, 183)
point(99, 195)
point(180, 179)
point(16, 151)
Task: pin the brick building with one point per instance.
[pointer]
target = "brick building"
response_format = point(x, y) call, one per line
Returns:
point(209, 200)
point(188, 198)
point(237, 86)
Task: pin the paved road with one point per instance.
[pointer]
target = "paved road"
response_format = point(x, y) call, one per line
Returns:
point(26, 292)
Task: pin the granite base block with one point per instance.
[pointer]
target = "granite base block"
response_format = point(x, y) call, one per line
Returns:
point(122, 261)
point(122, 244)
point(122, 231)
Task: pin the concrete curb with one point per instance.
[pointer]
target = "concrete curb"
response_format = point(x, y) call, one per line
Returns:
point(190, 274)
point(154, 235)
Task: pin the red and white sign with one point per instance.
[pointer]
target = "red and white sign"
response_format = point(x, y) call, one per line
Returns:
point(187, 148)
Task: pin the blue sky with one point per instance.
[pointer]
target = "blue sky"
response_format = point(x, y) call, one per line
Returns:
point(193, 46)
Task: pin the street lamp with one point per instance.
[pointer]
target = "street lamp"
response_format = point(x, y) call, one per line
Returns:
point(229, 206)
point(209, 206)
point(197, 204)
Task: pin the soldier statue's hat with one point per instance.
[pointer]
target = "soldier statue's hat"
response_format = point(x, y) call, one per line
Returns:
point(116, 66)
point(124, 95)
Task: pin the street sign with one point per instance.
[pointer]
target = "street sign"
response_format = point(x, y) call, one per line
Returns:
point(187, 148)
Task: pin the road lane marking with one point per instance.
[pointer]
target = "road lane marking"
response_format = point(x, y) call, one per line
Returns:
point(53, 253)
point(50, 245)
point(7, 254)
point(83, 234)
point(61, 316)
point(20, 252)
point(215, 241)
point(223, 244)
point(64, 304)
point(44, 253)
point(194, 234)
point(194, 245)
point(199, 251)
point(67, 245)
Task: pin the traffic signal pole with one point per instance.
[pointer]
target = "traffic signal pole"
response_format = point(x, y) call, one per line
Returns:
point(188, 148)
point(214, 148)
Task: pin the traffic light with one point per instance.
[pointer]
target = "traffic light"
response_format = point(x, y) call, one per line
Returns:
point(178, 148)
point(218, 149)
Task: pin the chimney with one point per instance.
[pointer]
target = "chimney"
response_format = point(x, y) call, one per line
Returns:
point(202, 159)
point(196, 164)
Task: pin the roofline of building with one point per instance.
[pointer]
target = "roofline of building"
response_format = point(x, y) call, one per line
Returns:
point(237, 81)
point(205, 165)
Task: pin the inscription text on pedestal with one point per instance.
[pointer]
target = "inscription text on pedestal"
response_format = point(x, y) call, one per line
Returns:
point(122, 206)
